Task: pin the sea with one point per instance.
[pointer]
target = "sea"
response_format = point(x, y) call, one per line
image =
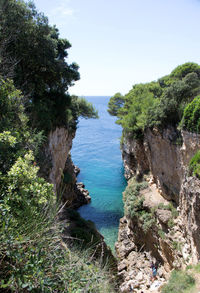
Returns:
point(96, 151)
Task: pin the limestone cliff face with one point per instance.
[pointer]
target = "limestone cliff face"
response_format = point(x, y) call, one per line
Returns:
point(165, 154)
point(60, 169)
point(59, 146)
point(134, 157)
point(189, 211)
point(171, 243)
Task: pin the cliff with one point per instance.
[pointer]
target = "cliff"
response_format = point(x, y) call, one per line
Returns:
point(59, 169)
point(164, 228)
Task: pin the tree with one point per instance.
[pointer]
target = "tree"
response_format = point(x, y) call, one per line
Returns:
point(115, 103)
point(160, 103)
point(32, 53)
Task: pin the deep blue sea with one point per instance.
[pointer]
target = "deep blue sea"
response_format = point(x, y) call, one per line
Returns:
point(96, 151)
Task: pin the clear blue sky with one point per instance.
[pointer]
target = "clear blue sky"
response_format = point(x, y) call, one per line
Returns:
point(118, 43)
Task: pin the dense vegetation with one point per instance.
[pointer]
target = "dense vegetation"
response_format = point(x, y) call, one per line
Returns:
point(194, 166)
point(179, 281)
point(168, 101)
point(34, 79)
point(133, 204)
point(34, 56)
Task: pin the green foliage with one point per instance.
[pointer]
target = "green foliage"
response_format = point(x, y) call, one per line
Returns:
point(174, 212)
point(174, 99)
point(169, 207)
point(34, 56)
point(161, 233)
point(176, 245)
point(194, 165)
point(39, 261)
point(15, 135)
point(11, 107)
point(134, 114)
point(161, 103)
point(133, 204)
point(191, 116)
point(179, 282)
point(147, 220)
point(197, 268)
point(82, 108)
point(115, 103)
point(33, 254)
point(182, 70)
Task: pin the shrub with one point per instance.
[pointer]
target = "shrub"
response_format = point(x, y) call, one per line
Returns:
point(176, 245)
point(160, 103)
point(133, 204)
point(161, 233)
point(42, 262)
point(191, 116)
point(33, 255)
point(147, 220)
point(169, 207)
point(179, 282)
point(197, 268)
point(194, 165)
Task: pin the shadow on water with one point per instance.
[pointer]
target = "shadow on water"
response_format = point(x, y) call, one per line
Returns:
point(102, 218)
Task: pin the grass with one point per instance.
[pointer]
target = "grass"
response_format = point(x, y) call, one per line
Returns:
point(194, 165)
point(39, 260)
point(179, 282)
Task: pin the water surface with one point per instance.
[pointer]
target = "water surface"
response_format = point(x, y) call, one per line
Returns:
point(97, 153)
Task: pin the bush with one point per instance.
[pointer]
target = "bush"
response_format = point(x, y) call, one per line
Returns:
point(33, 255)
point(133, 204)
point(191, 116)
point(41, 262)
point(194, 165)
point(160, 103)
point(179, 282)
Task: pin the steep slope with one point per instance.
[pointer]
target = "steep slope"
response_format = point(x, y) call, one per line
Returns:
point(165, 228)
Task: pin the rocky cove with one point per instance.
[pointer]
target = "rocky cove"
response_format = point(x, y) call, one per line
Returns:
point(170, 197)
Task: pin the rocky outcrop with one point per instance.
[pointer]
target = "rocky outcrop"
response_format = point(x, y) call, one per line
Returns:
point(57, 150)
point(173, 239)
point(165, 154)
point(134, 157)
point(59, 169)
point(72, 192)
point(189, 211)
point(163, 242)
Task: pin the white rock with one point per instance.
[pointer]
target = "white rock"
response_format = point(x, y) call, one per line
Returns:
point(185, 251)
point(156, 284)
point(139, 277)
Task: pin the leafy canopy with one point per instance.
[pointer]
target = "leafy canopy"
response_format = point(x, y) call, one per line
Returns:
point(35, 57)
point(115, 103)
point(160, 103)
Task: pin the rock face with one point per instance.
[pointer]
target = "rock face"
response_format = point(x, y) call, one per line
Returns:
point(189, 210)
point(72, 192)
point(58, 149)
point(134, 157)
point(61, 171)
point(173, 240)
point(165, 154)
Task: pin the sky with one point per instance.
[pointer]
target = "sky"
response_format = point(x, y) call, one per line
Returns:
point(118, 43)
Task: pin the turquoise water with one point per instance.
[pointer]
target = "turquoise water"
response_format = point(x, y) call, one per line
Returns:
point(96, 150)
